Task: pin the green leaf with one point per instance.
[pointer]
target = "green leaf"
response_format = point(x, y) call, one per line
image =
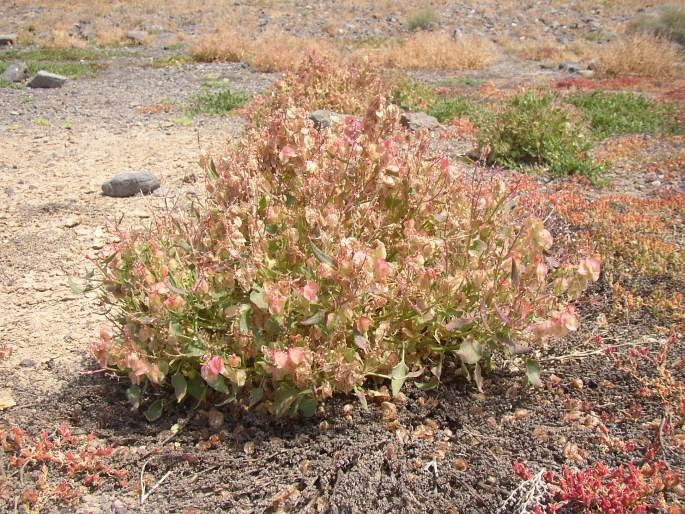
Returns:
point(307, 406)
point(180, 386)
point(244, 322)
point(175, 329)
point(212, 170)
point(533, 373)
point(185, 246)
point(515, 274)
point(319, 254)
point(468, 351)
point(427, 386)
point(256, 395)
point(283, 399)
point(219, 384)
point(197, 387)
point(398, 376)
point(315, 319)
point(361, 396)
point(133, 395)
point(154, 411)
point(259, 299)
point(75, 288)
point(478, 377)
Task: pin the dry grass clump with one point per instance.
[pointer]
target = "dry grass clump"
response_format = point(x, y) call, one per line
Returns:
point(111, 36)
point(639, 54)
point(278, 51)
point(436, 50)
point(60, 39)
point(548, 50)
point(270, 51)
point(221, 45)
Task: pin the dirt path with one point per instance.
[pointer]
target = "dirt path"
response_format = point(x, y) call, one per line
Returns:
point(52, 213)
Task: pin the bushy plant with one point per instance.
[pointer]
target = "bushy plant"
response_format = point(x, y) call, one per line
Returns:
point(323, 259)
point(532, 128)
point(422, 19)
point(622, 113)
point(669, 23)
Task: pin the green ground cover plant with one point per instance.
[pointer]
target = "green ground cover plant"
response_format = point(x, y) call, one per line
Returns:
point(624, 112)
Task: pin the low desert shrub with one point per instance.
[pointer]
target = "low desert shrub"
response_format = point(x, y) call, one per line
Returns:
point(623, 113)
point(422, 19)
point(324, 259)
point(435, 50)
point(668, 23)
point(532, 128)
point(639, 54)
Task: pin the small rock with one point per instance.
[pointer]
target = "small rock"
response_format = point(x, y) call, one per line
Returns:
point(419, 120)
point(570, 67)
point(16, 72)
point(138, 36)
point(322, 118)
point(586, 73)
point(27, 363)
point(71, 222)
point(140, 214)
point(118, 507)
point(130, 184)
point(8, 39)
point(46, 80)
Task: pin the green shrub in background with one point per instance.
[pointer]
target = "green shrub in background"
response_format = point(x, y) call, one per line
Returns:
point(669, 23)
point(533, 128)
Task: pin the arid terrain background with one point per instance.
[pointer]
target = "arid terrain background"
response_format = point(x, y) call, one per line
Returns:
point(144, 92)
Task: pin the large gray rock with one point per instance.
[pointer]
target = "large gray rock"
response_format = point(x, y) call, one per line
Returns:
point(322, 118)
point(419, 120)
point(16, 72)
point(8, 39)
point(47, 80)
point(130, 184)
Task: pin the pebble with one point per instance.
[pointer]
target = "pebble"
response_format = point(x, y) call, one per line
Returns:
point(27, 363)
point(71, 222)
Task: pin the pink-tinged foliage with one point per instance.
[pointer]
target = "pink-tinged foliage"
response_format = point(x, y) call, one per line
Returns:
point(323, 258)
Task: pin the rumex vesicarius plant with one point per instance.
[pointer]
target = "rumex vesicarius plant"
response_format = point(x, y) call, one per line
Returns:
point(324, 258)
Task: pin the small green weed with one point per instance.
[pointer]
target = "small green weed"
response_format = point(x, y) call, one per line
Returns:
point(41, 122)
point(182, 121)
point(172, 60)
point(454, 107)
point(412, 95)
point(624, 113)
point(218, 102)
